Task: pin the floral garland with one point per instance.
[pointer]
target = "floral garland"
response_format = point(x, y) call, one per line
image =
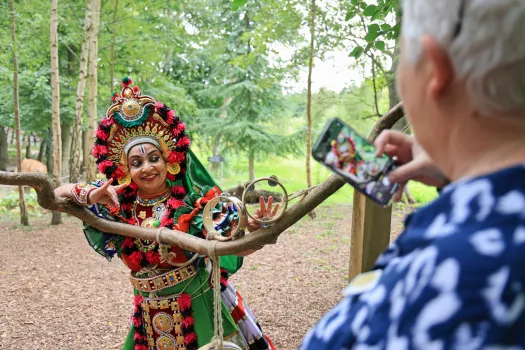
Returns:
point(127, 197)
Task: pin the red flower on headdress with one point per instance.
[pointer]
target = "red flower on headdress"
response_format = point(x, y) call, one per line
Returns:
point(153, 257)
point(114, 97)
point(136, 88)
point(106, 122)
point(185, 141)
point(99, 150)
point(170, 116)
point(133, 186)
point(102, 166)
point(101, 134)
point(170, 177)
point(119, 173)
point(176, 157)
point(181, 127)
point(136, 257)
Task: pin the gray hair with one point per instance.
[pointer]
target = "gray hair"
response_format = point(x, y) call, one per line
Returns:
point(488, 52)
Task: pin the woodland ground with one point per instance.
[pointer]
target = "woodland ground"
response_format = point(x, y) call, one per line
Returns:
point(57, 293)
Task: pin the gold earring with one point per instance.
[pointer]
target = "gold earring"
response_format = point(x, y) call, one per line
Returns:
point(173, 168)
point(125, 180)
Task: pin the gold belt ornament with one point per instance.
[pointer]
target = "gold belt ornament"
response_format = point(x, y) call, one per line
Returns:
point(165, 280)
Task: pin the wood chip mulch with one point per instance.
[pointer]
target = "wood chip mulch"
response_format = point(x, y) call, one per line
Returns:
point(57, 293)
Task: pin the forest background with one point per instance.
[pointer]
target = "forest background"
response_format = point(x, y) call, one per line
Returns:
point(255, 80)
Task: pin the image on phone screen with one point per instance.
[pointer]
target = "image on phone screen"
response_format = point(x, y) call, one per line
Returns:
point(350, 155)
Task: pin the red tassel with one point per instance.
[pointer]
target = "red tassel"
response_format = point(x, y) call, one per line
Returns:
point(153, 257)
point(137, 321)
point(178, 191)
point(166, 221)
point(188, 322)
point(132, 221)
point(160, 105)
point(138, 299)
point(140, 347)
point(107, 121)
point(175, 203)
point(119, 173)
point(139, 337)
point(190, 338)
point(184, 301)
point(128, 243)
point(224, 281)
point(136, 257)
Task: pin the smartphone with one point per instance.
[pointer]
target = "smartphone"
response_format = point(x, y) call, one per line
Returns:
point(350, 155)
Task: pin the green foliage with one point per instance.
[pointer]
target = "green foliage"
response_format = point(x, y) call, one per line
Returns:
point(10, 203)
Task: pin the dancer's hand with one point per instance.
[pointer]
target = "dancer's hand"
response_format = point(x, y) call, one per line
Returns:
point(265, 211)
point(106, 194)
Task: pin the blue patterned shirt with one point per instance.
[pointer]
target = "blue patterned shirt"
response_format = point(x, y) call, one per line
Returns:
point(454, 279)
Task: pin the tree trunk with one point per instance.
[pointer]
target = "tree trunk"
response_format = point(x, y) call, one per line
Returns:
point(42, 149)
point(216, 149)
point(92, 106)
point(3, 148)
point(28, 146)
point(86, 148)
point(66, 147)
point(76, 137)
point(55, 105)
point(13, 136)
point(309, 97)
point(24, 220)
point(112, 59)
point(48, 155)
point(251, 165)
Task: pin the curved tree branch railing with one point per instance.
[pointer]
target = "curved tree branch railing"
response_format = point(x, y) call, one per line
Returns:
point(47, 200)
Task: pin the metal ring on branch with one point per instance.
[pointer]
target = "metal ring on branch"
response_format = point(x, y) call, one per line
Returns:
point(226, 201)
point(273, 181)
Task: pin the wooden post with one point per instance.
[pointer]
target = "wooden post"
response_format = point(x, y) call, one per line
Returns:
point(370, 236)
point(371, 223)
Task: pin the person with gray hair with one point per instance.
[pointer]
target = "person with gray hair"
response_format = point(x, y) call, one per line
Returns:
point(455, 278)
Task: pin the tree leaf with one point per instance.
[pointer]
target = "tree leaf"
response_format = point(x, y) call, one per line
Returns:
point(373, 28)
point(356, 52)
point(371, 36)
point(355, 2)
point(380, 45)
point(370, 10)
point(238, 3)
point(386, 27)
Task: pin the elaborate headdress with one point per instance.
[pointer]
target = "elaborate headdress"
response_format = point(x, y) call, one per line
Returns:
point(133, 119)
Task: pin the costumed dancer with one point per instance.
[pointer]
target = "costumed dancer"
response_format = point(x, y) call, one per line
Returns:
point(154, 180)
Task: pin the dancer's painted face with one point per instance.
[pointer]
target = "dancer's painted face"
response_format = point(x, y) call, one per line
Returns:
point(147, 168)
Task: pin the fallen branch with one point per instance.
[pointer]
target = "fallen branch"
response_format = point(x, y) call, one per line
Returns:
point(47, 200)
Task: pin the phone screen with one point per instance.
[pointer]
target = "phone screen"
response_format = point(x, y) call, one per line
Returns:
point(344, 151)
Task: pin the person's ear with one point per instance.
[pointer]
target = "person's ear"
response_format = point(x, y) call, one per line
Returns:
point(440, 67)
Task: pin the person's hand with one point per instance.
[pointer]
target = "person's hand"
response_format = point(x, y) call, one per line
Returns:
point(265, 211)
point(106, 194)
point(416, 164)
